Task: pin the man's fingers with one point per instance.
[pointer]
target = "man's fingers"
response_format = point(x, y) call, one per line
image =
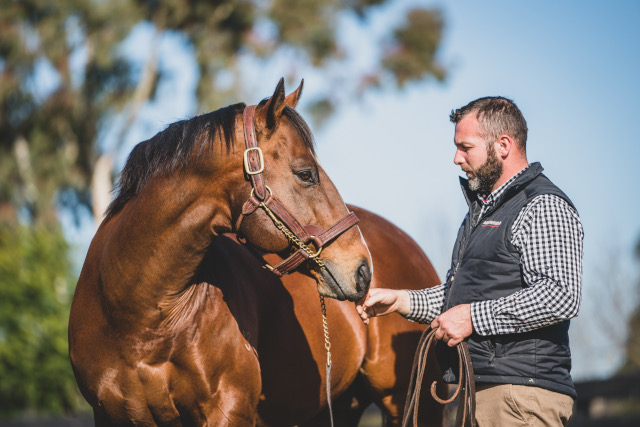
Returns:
point(435, 324)
point(377, 302)
point(370, 301)
point(365, 312)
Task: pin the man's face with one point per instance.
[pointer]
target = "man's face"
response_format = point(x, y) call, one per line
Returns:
point(477, 158)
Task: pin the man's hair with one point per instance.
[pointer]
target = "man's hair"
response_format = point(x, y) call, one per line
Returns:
point(496, 115)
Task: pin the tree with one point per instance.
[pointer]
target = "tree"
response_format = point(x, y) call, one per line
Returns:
point(36, 285)
point(51, 110)
point(63, 77)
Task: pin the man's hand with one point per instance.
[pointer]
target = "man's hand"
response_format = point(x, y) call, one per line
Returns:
point(379, 302)
point(454, 325)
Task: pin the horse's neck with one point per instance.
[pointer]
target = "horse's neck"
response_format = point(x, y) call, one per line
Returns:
point(155, 244)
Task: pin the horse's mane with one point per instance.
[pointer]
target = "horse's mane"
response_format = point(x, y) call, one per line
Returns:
point(171, 149)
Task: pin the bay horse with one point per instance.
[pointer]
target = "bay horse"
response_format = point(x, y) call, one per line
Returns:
point(163, 332)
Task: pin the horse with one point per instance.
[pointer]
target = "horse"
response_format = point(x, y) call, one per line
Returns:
point(161, 332)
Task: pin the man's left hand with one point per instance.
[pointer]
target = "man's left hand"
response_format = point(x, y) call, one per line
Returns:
point(454, 325)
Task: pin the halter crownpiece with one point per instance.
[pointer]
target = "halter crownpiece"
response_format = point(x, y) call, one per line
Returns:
point(262, 197)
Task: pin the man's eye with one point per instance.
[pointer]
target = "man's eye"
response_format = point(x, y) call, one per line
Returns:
point(305, 176)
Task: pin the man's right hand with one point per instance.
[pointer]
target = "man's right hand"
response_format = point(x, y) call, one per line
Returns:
point(379, 302)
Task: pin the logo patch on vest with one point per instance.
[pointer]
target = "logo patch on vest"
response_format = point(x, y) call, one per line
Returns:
point(493, 224)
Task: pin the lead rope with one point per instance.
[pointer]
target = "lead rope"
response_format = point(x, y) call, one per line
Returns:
point(466, 383)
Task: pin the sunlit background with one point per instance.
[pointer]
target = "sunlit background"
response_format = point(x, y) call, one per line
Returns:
point(382, 131)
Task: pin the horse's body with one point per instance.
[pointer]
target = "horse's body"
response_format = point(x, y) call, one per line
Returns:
point(281, 319)
point(169, 327)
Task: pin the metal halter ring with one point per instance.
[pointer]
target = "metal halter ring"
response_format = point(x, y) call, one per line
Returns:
point(253, 191)
point(317, 254)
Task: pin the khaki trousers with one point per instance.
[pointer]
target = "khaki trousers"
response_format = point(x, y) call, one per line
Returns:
point(520, 405)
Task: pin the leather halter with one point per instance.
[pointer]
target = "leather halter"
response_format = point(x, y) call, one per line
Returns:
point(261, 197)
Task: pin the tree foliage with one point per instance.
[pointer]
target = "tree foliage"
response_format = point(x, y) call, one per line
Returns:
point(36, 285)
point(64, 76)
point(51, 110)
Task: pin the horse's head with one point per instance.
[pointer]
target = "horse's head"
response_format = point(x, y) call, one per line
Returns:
point(293, 201)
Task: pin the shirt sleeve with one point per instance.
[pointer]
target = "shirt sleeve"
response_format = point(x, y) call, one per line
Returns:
point(549, 236)
point(426, 304)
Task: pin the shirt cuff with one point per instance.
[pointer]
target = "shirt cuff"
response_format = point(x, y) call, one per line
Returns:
point(418, 306)
point(482, 318)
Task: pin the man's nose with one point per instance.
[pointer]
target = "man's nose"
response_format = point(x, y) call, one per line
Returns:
point(458, 159)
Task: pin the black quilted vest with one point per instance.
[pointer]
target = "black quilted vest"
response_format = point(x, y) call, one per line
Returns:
point(485, 266)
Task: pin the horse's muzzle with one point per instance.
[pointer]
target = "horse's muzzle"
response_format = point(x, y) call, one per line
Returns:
point(363, 279)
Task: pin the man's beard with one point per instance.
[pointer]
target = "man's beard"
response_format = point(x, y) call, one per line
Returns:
point(487, 175)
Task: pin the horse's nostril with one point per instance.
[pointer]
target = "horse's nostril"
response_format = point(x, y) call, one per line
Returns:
point(363, 276)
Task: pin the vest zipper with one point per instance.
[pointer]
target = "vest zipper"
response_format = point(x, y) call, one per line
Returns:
point(461, 250)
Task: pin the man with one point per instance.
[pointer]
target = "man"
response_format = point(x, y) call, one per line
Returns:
point(515, 277)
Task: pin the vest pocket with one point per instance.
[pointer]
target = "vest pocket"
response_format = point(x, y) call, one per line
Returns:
point(491, 344)
point(483, 351)
point(501, 345)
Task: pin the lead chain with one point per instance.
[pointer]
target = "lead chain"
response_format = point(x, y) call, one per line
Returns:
point(292, 237)
point(295, 240)
point(327, 343)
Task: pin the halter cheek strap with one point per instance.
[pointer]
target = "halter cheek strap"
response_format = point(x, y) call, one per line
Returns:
point(262, 197)
point(253, 159)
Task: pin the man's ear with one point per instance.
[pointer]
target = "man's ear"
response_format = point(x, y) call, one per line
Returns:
point(504, 145)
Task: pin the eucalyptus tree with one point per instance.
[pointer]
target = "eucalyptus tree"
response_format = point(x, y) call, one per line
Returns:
point(64, 76)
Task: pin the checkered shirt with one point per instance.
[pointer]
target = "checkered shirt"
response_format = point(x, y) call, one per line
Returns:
point(548, 234)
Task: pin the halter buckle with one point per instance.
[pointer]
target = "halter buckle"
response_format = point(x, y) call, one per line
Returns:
point(247, 168)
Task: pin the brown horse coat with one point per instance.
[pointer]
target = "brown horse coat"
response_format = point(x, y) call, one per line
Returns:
point(265, 335)
point(173, 323)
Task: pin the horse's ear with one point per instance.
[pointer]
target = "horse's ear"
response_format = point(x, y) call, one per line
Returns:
point(292, 99)
point(275, 105)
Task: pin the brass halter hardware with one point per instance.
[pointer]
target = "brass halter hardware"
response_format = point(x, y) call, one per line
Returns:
point(262, 197)
point(247, 169)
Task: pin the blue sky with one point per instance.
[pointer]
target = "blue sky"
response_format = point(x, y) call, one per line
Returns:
point(572, 68)
point(573, 71)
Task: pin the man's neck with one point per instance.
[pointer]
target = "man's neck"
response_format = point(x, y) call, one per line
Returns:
point(509, 171)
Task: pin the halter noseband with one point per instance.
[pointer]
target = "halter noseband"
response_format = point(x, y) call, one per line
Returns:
point(262, 197)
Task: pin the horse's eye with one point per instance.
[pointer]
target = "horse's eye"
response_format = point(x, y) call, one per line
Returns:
point(305, 176)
